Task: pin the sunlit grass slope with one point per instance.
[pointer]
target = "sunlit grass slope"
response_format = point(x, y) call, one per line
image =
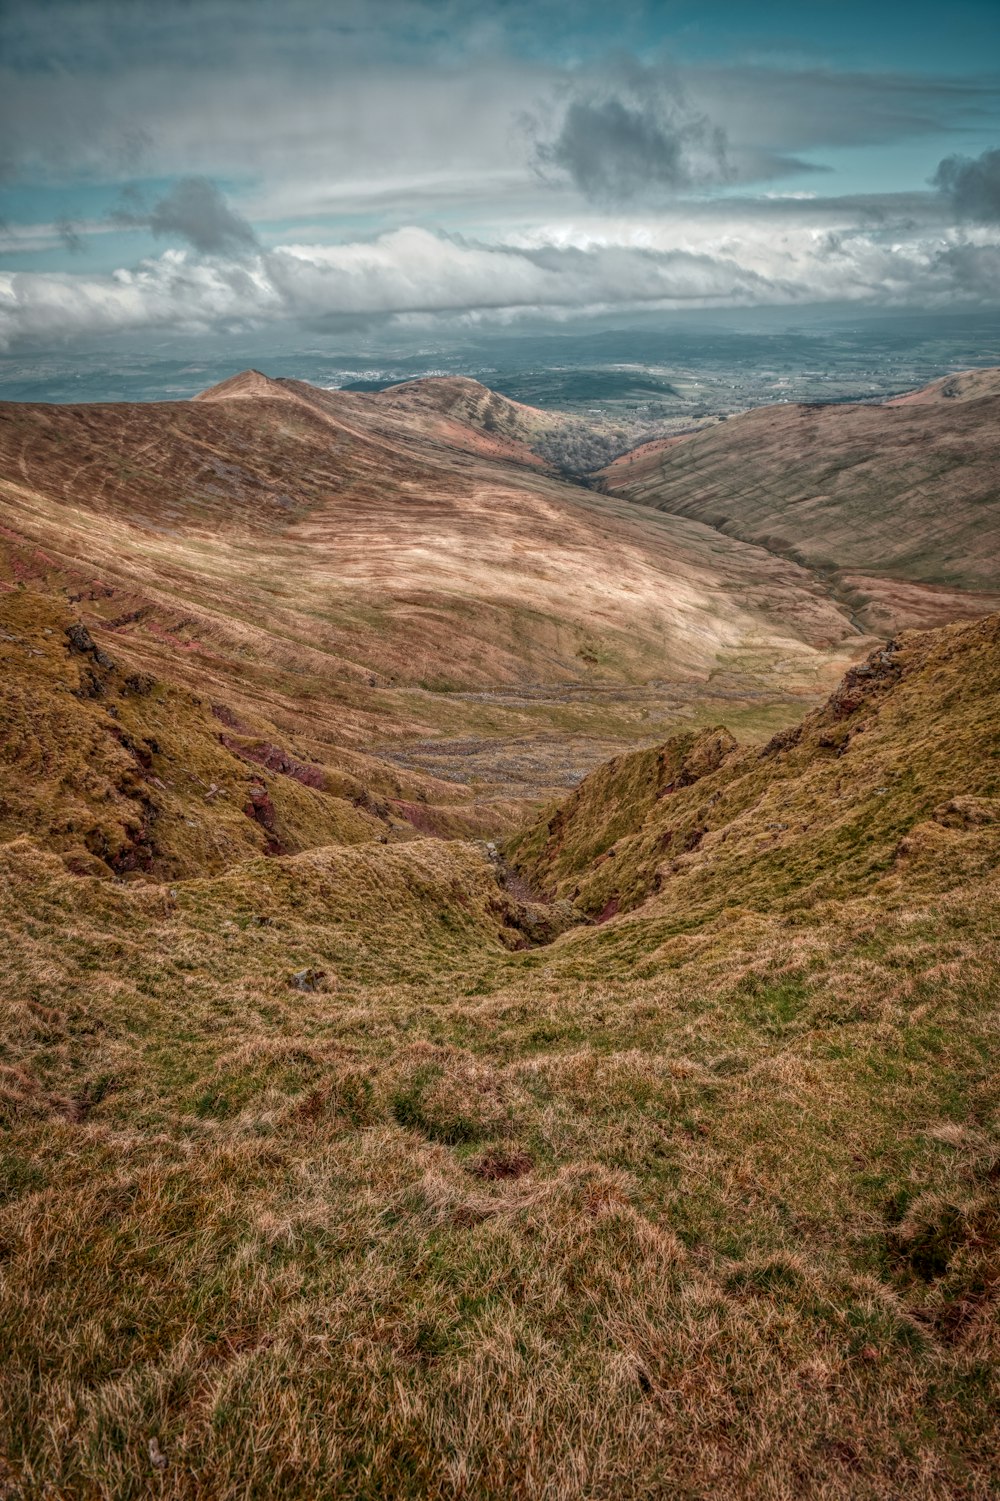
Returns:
point(323, 1175)
point(897, 505)
point(337, 570)
point(863, 790)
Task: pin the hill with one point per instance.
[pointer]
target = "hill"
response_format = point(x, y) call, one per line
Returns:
point(897, 506)
point(454, 405)
point(334, 582)
point(563, 442)
point(456, 411)
point(359, 1171)
point(965, 385)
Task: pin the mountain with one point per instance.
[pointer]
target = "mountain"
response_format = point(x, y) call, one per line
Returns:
point(897, 506)
point(455, 411)
point(358, 607)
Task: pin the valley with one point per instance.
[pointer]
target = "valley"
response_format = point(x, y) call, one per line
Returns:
point(500, 976)
point(335, 572)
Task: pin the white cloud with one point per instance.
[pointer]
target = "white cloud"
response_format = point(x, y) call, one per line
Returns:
point(412, 271)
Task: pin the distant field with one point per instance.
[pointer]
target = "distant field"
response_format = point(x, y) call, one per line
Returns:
point(678, 364)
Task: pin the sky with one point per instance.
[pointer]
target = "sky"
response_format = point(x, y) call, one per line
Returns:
point(218, 166)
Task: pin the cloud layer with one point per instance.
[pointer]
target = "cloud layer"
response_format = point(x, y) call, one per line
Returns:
point(412, 272)
point(437, 158)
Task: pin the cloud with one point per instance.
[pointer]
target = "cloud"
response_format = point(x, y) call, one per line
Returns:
point(808, 108)
point(194, 210)
point(973, 268)
point(306, 97)
point(971, 186)
point(635, 145)
point(637, 133)
point(413, 273)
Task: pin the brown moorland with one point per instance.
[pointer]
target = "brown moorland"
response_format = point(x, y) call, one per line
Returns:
point(341, 1153)
point(897, 505)
point(323, 1176)
point(330, 583)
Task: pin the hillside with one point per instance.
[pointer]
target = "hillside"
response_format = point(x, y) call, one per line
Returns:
point(453, 406)
point(897, 506)
point(890, 774)
point(965, 385)
point(343, 1173)
point(367, 1131)
point(455, 411)
point(565, 443)
point(336, 583)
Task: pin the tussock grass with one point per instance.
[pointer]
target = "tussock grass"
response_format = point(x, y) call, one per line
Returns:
point(679, 1204)
point(332, 1162)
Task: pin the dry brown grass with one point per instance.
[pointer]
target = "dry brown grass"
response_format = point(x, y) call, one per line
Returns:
point(351, 1170)
point(706, 1209)
point(895, 505)
point(332, 569)
point(893, 776)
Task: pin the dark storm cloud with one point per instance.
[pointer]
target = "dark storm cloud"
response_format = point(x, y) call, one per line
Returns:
point(617, 151)
point(644, 133)
point(629, 136)
point(194, 210)
point(971, 186)
point(973, 269)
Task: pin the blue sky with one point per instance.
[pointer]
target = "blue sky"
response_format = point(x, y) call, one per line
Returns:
point(224, 164)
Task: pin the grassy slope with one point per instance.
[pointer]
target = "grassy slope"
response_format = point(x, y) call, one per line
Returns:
point(701, 1201)
point(122, 772)
point(898, 502)
point(819, 811)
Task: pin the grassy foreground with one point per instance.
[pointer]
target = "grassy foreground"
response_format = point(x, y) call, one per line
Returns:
point(319, 1177)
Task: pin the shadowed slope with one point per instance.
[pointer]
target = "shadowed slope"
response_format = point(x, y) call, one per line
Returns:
point(898, 505)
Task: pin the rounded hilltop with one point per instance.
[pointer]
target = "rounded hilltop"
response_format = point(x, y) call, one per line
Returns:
point(246, 383)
